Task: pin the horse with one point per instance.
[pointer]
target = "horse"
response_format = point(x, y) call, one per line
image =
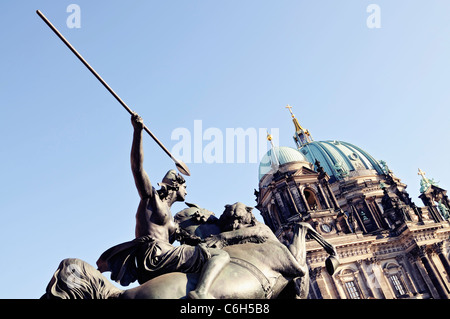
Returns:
point(260, 267)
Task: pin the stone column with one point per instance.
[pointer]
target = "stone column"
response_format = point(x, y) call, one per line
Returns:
point(375, 278)
point(369, 209)
point(414, 273)
point(423, 273)
point(406, 274)
point(331, 195)
point(432, 273)
point(288, 191)
point(331, 284)
point(365, 277)
point(439, 250)
point(340, 290)
point(321, 283)
point(385, 283)
point(325, 198)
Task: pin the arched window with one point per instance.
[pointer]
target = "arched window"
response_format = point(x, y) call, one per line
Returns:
point(398, 286)
point(352, 291)
point(395, 275)
point(311, 199)
point(349, 282)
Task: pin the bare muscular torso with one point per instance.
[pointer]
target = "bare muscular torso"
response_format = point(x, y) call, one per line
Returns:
point(159, 225)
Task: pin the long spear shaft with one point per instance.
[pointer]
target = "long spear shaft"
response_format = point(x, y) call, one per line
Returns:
point(182, 167)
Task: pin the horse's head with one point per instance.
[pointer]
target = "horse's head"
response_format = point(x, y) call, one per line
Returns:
point(197, 221)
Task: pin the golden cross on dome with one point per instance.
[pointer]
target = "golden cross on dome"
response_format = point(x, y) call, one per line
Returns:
point(422, 173)
point(290, 110)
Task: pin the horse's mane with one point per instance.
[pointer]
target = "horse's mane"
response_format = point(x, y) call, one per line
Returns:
point(76, 279)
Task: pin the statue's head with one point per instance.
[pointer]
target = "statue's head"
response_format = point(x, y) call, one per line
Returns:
point(173, 183)
point(236, 216)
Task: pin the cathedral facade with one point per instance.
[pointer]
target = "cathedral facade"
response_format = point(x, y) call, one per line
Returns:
point(388, 247)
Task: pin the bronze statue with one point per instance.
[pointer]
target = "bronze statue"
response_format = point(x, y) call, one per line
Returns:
point(155, 232)
point(260, 266)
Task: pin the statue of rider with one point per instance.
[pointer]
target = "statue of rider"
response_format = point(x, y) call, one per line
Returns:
point(152, 254)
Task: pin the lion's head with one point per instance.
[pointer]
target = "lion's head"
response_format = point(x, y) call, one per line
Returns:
point(235, 216)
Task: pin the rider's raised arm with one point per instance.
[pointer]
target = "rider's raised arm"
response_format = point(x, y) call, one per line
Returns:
point(141, 179)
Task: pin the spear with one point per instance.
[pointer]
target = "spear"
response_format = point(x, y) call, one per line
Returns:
point(181, 166)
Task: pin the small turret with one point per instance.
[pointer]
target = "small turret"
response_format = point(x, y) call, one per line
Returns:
point(302, 136)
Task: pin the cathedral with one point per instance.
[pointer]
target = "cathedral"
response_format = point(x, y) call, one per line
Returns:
point(388, 247)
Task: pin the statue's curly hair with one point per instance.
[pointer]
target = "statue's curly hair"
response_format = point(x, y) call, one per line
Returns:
point(165, 190)
point(171, 182)
point(76, 279)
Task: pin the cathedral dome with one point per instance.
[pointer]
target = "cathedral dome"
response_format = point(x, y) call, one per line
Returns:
point(340, 159)
point(279, 156)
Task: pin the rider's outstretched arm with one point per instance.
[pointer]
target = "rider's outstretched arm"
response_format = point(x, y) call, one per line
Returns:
point(141, 179)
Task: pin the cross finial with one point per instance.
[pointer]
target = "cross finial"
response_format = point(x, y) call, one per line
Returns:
point(290, 110)
point(275, 162)
point(422, 173)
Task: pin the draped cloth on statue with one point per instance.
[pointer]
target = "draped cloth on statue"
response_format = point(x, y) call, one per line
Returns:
point(145, 258)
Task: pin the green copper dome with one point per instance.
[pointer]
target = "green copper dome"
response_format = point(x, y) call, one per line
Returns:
point(339, 158)
point(279, 156)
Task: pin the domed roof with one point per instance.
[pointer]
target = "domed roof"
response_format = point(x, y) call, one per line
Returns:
point(340, 158)
point(281, 155)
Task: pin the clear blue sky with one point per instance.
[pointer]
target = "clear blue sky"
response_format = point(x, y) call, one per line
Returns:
point(67, 188)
